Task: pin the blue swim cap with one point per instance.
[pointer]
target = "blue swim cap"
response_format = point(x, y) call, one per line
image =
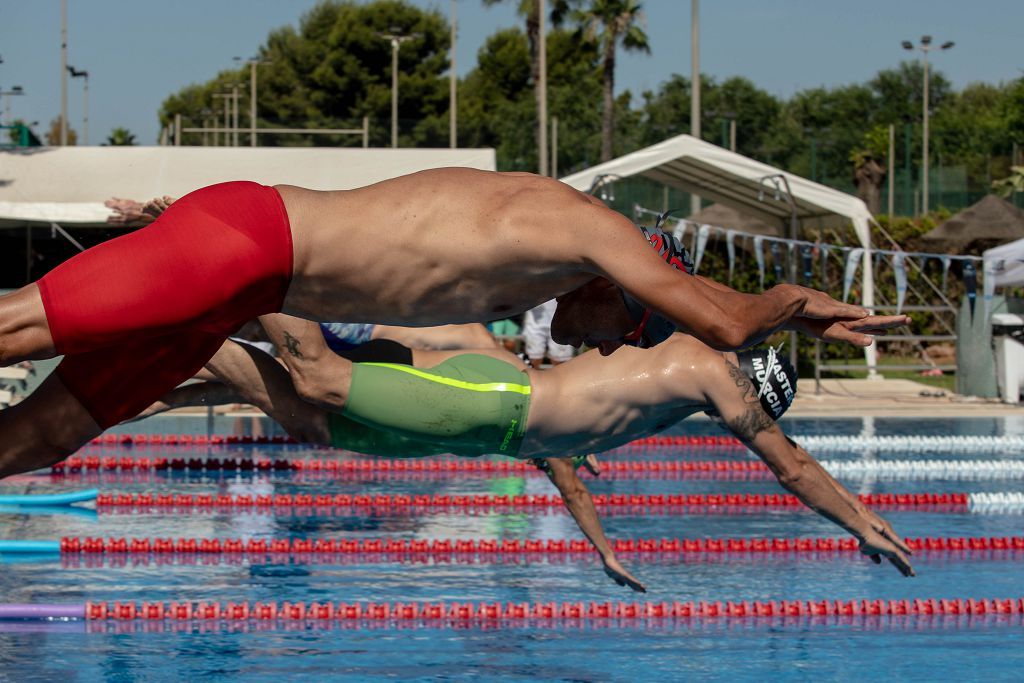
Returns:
point(654, 328)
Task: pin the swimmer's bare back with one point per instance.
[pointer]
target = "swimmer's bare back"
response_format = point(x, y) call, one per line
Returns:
point(442, 246)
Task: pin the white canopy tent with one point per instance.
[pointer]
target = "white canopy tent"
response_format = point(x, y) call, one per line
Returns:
point(749, 186)
point(68, 185)
point(1004, 265)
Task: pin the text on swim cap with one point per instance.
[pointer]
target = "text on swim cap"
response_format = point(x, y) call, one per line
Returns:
point(761, 374)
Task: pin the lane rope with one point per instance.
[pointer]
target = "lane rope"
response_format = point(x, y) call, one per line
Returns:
point(325, 468)
point(813, 442)
point(447, 548)
point(145, 502)
point(490, 612)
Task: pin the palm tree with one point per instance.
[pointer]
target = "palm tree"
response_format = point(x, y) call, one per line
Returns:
point(121, 137)
point(530, 10)
point(607, 22)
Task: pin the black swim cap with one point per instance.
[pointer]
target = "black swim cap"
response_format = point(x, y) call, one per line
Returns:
point(773, 376)
point(658, 328)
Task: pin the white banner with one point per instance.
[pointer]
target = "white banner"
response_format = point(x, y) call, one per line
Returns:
point(702, 243)
point(900, 270)
point(776, 261)
point(730, 247)
point(759, 255)
point(988, 282)
point(853, 258)
point(945, 271)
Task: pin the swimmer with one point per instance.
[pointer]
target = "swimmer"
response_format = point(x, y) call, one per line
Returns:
point(439, 338)
point(139, 314)
point(475, 404)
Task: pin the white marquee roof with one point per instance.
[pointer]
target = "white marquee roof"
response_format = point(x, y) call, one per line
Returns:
point(68, 185)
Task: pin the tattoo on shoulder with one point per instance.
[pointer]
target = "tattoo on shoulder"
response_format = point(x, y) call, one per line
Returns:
point(292, 344)
point(754, 420)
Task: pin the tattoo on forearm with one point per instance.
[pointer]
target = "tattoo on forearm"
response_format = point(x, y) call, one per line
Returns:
point(754, 420)
point(292, 344)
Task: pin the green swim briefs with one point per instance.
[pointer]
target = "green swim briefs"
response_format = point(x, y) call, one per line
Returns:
point(469, 405)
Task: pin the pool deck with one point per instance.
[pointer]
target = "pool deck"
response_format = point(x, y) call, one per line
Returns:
point(837, 398)
point(891, 398)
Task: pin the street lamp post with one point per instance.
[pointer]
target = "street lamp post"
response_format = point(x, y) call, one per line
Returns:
point(396, 42)
point(226, 96)
point(925, 47)
point(63, 72)
point(694, 86)
point(234, 115)
point(253, 63)
point(83, 74)
point(453, 126)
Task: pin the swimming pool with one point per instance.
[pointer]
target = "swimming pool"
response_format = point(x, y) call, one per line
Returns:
point(411, 554)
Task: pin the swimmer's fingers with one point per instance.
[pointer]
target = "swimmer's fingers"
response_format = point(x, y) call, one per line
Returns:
point(592, 465)
point(890, 534)
point(821, 306)
point(856, 332)
point(617, 573)
point(875, 546)
point(875, 324)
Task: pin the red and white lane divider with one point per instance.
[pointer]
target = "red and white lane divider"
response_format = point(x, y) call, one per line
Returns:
point(509, 612)
point(523, 611)
point(714, 502)
point(448, 548)
point(813, 442)
point(335, 469)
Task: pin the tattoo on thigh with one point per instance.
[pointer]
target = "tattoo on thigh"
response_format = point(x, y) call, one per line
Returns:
point(754, 420)
point(292, 344)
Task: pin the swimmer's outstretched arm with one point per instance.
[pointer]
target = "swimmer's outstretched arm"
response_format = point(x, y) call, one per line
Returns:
point(577, 499)
point(721, 317)
point(732, 394)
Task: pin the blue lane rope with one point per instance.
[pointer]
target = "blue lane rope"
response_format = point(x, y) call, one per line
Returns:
point(33, 547)
point(49, 499)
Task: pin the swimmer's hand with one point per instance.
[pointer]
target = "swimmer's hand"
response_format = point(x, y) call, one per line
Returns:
point(881, 540)
point(617, 573)
point(859, 332)
point(125, 211)
point(821, 306)
point(592, 465)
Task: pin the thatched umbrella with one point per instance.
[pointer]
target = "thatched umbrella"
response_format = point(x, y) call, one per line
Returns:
point(729, 218)
point(983, 225)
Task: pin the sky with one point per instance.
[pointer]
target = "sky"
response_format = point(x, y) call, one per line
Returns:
point(138, 52)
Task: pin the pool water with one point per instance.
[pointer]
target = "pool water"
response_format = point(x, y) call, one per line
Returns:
point(798, 648)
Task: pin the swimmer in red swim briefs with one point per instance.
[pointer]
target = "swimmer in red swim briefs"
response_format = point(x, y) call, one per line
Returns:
point(139, 314)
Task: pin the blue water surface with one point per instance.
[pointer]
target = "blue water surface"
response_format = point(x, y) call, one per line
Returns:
point(823, 648)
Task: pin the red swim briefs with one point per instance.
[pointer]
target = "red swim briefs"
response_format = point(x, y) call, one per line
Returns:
point(140, 314)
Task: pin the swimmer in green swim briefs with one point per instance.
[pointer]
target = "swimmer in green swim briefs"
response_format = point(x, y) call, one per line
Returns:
point(472, 404)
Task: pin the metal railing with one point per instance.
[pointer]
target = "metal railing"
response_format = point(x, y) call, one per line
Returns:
point(364, 131)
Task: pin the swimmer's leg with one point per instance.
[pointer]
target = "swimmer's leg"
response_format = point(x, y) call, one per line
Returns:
point(43, 429)
point(212, 393)
point(320, 376)
point(24, 332)
point(261, 381)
